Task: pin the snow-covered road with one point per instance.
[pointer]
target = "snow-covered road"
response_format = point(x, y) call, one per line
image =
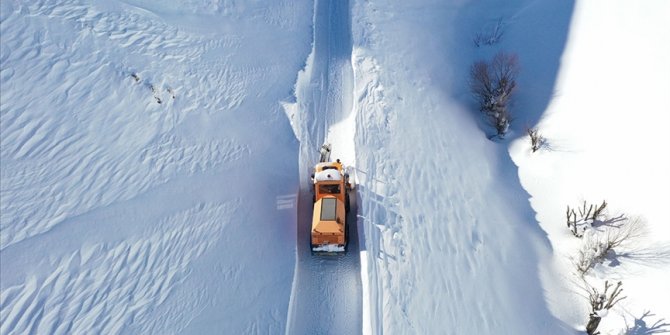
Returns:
point(326, 295)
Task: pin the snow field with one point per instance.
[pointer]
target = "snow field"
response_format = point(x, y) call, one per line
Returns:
point(104, 287)
point(134, 198)
point(99, 113)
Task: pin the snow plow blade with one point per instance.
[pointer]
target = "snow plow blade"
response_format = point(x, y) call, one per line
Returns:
point(328, 249)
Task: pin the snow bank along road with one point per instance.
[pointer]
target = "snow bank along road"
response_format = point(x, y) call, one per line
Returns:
point(326, 295)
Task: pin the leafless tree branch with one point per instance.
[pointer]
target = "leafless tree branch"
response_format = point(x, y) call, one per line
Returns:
point(492, 85)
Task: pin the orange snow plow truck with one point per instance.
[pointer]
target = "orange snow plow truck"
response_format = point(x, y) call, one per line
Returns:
point(330, 230)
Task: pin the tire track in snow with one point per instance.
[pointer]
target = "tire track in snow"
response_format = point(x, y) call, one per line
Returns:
point(327, 291)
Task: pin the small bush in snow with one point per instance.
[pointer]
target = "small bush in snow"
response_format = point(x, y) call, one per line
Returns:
point(600, 303)
point(492, 85)
point(626, 233)
point(490, 36)
point(593, 251)
point(578, 225)
point(154, 90)
point(537, 141)
point(597, 245)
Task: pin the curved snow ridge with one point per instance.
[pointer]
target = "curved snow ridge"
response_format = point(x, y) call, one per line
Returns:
point(79, 119)
point(108, 288)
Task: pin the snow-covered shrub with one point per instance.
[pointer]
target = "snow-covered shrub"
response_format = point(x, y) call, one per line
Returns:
point(492, 85)
point(593, 251)
point(599, 244)
point(156, 93)
point(491, 35)
point(600, 303)
point(578, 225)
point(625, 233)
point(537, 141)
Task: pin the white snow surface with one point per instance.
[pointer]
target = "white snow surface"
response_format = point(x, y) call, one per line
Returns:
point(451, 243)
point(607, 140)
point(155, 162)
point(465, 236)
point(120, 215)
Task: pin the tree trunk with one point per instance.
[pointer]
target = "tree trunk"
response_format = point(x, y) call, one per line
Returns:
point(594, 321)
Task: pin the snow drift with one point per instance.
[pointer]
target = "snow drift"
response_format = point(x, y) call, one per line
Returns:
point(134, 197)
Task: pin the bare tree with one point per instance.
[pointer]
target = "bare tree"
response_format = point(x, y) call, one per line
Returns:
point(492, 85)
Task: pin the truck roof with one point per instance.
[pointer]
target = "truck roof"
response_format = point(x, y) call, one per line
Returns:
point(326, 175)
